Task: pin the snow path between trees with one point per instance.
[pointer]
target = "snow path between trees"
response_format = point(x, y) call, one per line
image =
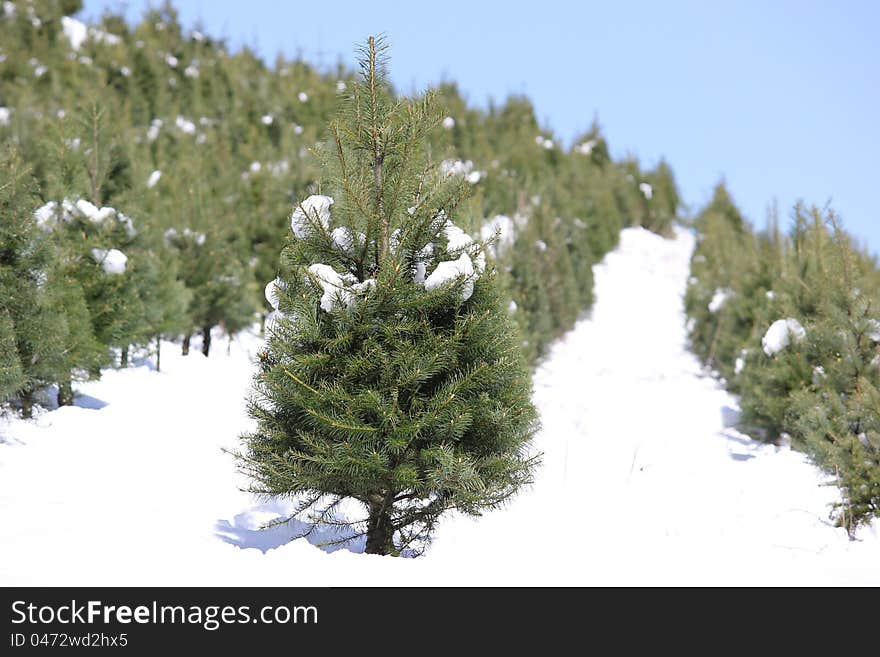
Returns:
point(644, 481)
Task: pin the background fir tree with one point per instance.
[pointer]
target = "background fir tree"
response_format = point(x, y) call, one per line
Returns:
point(790, 321)
point(11, 375)
point(37, 330)
point(393, 374)
point(199, 141)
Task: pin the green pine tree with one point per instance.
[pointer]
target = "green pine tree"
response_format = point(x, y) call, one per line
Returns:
point(392, 375)
point(46, 339)
point(11, 375)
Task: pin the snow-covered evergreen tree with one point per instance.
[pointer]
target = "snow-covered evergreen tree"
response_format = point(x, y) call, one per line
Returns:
point(35, 297)
point(392, 375)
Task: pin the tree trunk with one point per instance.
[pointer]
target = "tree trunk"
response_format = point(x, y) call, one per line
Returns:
point(65, 392)
point(206, 340)
point(27, 404)
point(158, 353)
point(185, 350)
point(123, 357)
point(380, 530)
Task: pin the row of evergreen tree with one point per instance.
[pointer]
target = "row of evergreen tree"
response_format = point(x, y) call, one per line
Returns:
point(791, 322)
point(150, 173)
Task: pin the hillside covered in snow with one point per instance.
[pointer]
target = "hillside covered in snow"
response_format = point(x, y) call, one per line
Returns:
point(645, 479)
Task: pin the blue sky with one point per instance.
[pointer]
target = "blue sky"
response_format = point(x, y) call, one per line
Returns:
point(781, 99)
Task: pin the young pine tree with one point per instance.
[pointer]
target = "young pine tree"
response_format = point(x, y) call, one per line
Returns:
point(35, 336)
point(392, 375)
point(11, 375)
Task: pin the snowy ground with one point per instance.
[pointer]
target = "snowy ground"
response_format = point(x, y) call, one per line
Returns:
point(644, 481)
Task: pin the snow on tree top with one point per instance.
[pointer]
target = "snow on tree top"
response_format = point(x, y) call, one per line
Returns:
point(112, 261)
point(77, 32)
point(185, 125)
point(465, 169)
point(272, 292)
point(345, 239)
point(333, 286)
point(646, 190)
point(718, 300)
point(92, 213)
point(153, 130)
point(781, 334)
point(46, 215)
point(450, 270)
point(542, 141)
point(456, 238)
point(315, 207)
point(504, 226)
point(187, 234)
point(586, 147)
point(127, 223)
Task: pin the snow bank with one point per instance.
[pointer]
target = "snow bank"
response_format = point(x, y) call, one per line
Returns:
point(781, 334)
